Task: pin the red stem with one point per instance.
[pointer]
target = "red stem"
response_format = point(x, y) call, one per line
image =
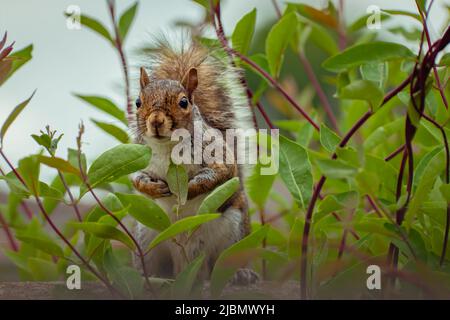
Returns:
point(427, 34)
point(8, 233)
point(272, 81)
point(277, 8)
point(27, 209)
point(123, 61)
point(447, 180)
point(140, 253)
point(261, 110)
point(343, 240)
point(23, 204)
point(395, 153)
point(320, 93)
point(373, 205)
point(341, 30)
point(313, 79)
point(72, 199)
point(58, 232)
point(316, 193)
point(352, 232)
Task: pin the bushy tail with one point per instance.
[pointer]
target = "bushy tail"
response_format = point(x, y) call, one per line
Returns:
point(220, 95)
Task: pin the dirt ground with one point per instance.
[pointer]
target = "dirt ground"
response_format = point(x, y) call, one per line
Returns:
point(96, 291)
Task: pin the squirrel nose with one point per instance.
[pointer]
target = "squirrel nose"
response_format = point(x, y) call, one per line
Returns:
point(156, 121)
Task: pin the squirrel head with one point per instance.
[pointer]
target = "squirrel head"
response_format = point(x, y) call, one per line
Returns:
point(165, 105)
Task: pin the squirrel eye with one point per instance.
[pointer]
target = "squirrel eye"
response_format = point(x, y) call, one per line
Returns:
point(138, 102)
point(183, 102)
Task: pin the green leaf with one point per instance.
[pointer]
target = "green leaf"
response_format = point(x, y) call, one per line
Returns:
point(324, 18)
point(382, 133)
point(46, 245)
point(126, 20)
point(112, 130)
point(445, 60)
point(261, 60)
point(323, 40)
point(126, 279)
point(103, 231)
point(289, 125)
point(445, 191)
point(404, 13)
point(16, 60)
point(145, 210)
point(42, 270)
point(432, 170)
point(180, 226)
point(177, 180)
point(295, 238)
point(277, 41)
point(376, 72)
point(335, 169)
point(363, 90)
point(225, 268)
point(32, 182)
point(46, 191)
point(118, 161)
point(105, 105)
point(15, 185)
point(184, 282)
point(328, 138)
point(48, 140)
point(12, 116)
point(97, 214)
point(367, 52)
point(29, 169)
point(95, 26)
point(243, 32)
point(72, 157)
point(361, 22)
point(111, 202)
point(216, 198)
point(258, 186)
point(59, 164)
point(423, 164)
point(295, 170)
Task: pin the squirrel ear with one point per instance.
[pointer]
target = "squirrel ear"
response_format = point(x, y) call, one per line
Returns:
point(190, 81)
point(145, 80)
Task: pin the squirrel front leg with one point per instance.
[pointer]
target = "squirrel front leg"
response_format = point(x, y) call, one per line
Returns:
point(208, 178)
point(149, 184)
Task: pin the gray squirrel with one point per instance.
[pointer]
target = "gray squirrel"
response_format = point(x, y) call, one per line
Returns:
point(187, 86)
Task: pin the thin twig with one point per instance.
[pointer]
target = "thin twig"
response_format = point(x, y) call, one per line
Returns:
point(23, 204)
point(215, 14)
point(140, 253)
point(119, 46)
point(73, 203)
point(341, 30)
point(344, 239)
point(58, 232)
point(395, 153)
point(313, 79)
point(318, 88)
point(9, 236)
point(427, 34)
point(447, 181)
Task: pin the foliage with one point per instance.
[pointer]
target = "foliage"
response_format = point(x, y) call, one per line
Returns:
point(380, 198)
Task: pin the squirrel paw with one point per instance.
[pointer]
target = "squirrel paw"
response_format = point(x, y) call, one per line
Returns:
point(155, 188)
point(244, 277)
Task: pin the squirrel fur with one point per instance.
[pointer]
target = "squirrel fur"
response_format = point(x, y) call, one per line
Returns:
point(182, 86)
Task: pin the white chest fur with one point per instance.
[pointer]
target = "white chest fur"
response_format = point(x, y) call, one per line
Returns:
point(159, 164)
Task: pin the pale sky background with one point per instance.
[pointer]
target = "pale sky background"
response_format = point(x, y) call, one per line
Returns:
point(66, 61)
